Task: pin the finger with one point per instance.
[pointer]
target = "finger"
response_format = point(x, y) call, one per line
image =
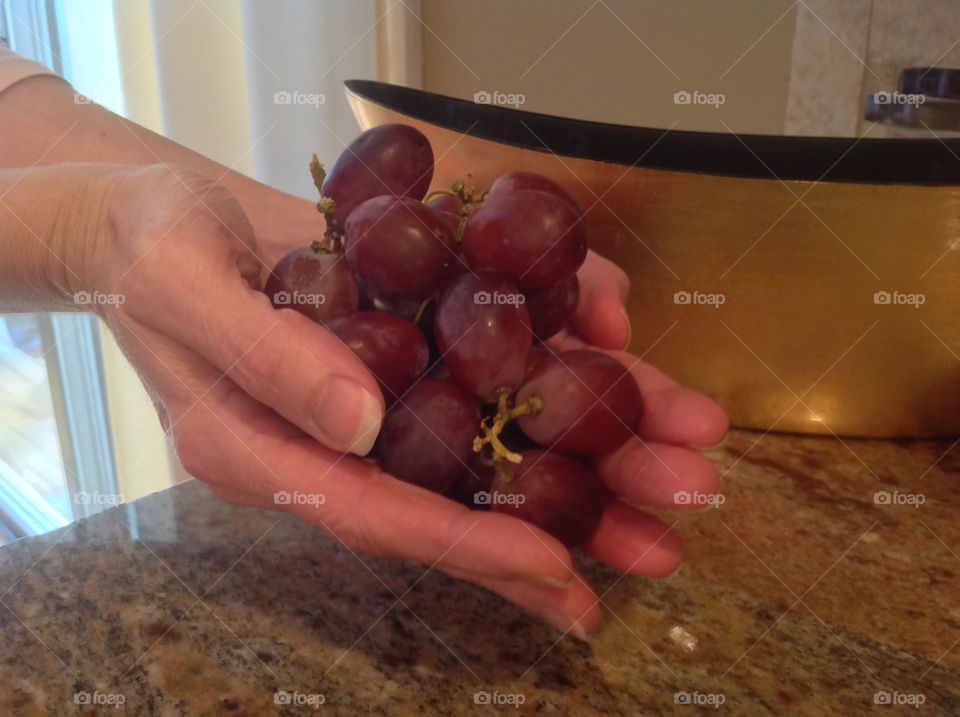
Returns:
point(574, 610)
point(659, 475)
point(600, 316)
point(635, 543)
point(383, 515)
point(283, 360)
point(226, 439)
point(672, 413)
point(357, 503)
point(684, 417)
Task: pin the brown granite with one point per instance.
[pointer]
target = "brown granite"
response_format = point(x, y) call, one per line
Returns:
point(800, 595)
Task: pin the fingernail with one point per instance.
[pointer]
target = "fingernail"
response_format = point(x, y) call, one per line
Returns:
point(348, 416)
point(719, 444)
point(556, 582)
point(565, 624)
point(626, 318)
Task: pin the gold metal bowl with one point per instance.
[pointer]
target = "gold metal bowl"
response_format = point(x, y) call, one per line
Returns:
point(808, 284)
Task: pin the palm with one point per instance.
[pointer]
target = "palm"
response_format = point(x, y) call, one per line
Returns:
point(233, 379)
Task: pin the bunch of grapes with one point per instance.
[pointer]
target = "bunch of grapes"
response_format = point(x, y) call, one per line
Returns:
point(449, 301)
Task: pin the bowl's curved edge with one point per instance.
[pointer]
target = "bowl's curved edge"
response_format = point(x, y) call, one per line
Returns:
point(860, 160)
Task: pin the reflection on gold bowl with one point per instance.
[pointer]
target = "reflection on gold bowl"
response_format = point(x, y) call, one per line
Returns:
point(808, 284)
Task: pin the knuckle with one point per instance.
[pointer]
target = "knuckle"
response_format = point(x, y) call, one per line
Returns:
point(354, 524)
point(253, 361)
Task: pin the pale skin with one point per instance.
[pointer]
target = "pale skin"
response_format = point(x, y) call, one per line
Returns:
point(258, 400)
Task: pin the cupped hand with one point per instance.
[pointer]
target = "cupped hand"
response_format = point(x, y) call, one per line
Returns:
point(271, 411)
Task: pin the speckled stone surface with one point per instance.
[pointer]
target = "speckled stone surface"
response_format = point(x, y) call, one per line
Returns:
point(800, 594)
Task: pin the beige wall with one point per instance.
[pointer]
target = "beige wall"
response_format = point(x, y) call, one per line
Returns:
point(618, 60)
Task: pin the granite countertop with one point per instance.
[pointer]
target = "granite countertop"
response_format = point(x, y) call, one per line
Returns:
point(802, 593)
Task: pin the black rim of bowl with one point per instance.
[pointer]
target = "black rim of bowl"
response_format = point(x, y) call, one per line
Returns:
point(866, 160)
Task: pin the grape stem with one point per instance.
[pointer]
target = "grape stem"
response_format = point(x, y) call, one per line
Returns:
point(505, 414)
point(332, 238)
point(423, 307)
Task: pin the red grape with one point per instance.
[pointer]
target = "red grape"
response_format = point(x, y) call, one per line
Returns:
point(448, 207)
point(402, 248)
point(318, 285)
point(370, 300)
point(551, 309)
point(591, 403)
point(391, 159)
point(481, 331)
point(391, 347)
point(477, 478)
point(427, 438)
point(534, 238)
point(519, 181)
point(561, 495)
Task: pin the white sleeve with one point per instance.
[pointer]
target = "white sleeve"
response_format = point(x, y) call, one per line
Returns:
point(14, 68)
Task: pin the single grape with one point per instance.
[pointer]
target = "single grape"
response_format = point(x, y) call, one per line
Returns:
point(449, 207)
point(476, 479)
point(370, 300)
point(534, 238)
point(393, 159)
point(591, 403)
point(561, 495)
point(551, 309)
point(391, 347)
point(317, 284)
point(402, 248)
point(520, 181)
point(427, 438)
point(481, 328)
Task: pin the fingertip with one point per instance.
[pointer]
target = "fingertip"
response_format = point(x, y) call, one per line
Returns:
point(636, 543)
point(683, 416)
point(709, 422)
point(601, 318)
point(659, 475)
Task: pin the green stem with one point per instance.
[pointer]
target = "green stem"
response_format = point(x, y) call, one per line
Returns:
point(505, 414)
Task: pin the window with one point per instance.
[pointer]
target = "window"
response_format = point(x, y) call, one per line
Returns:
point(56, 457)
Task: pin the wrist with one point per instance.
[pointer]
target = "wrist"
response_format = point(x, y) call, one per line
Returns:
point(85, 236)
point(280, 221)
point(55, 233)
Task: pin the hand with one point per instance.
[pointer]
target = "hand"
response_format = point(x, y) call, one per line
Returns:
point(262, 402)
